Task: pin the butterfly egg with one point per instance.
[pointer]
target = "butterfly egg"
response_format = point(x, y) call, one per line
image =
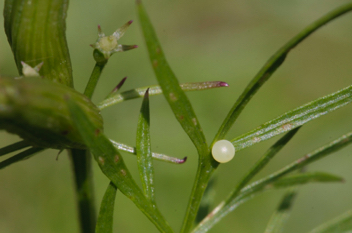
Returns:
point(223, 151)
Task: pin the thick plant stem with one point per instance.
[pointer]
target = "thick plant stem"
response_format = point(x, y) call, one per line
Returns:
point(94, 77)
point(82, 168)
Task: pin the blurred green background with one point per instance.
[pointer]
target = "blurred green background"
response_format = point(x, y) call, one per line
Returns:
point(203, 41)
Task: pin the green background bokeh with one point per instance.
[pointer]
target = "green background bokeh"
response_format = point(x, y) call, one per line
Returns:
point(203, 41)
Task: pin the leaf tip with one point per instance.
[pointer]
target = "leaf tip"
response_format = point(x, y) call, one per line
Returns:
point(118, 86)
point(183, 160)
point(146, 95)
point(223, 84)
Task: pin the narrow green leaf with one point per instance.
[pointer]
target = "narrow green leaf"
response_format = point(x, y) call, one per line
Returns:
point(264, 184)
point(112, 165)
point(144, 153)
point(261, 163)
point(106, 213)
point(224, 209)
point(270, 67)
point(294, 118)
point(168, 82)
point(303, 178)
point(183, 112)
point(20, 156)
point(36, 33)
point(13, 147)
point(282, 213)
point(341, 224)
point(115, 98)
point(161, 157)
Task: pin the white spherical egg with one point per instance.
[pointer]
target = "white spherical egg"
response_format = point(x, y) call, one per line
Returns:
point(223, 151)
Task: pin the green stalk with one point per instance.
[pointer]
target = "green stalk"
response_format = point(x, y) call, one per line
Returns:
point(94, 77)
point(82, 168)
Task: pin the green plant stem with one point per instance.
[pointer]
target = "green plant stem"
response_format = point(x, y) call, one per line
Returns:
point(94, 78)
point(205, 169)
point(82, 167)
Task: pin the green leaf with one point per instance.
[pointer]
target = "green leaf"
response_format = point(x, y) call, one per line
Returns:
point(144, 153)
point(270, 67)
point(224, 209)
point(341, 224)
point(106, 213)
point(36, 33)
point(112, 165)
point(294, 118)
point(115, 98)
point(261, 163)
point(161, 157)
point(13, 147)
point(183, 112)
point(282, 213)
point(20, 156)
point(264, 184)
point(303, 178)
point(168, 82)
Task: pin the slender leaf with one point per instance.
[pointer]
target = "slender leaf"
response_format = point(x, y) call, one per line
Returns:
point(13, 147)
point(161, 157)
point(224, 209)
point(106, 213)
point(20, 156)
point(36, 33)
point(282, 213)
point(294, 118)
point(115, 98)
point(144, 153)
point(341, 224)
point(270, 67)
point(168, 82)
point(183, 112)
point(263, 161)
point(303, 178)
point(264, 184)
point(112, 165)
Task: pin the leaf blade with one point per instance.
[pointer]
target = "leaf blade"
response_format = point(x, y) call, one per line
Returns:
point(294, 118)
point(263, 184)
point(112, 165)
point(116, 98)
point(144, 153)
point(168, 82)
point(106, 212)
point(270, 67)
